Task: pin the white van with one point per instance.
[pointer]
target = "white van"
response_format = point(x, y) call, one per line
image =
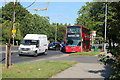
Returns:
point(33, 44)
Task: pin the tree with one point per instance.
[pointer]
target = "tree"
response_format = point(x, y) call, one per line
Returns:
point(60, 31)
point(6, 29)
point(7, 19)
point(7, 12)
point(94, 14)
point(84, 18)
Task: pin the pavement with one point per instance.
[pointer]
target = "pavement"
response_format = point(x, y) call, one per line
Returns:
point(85, 70)
point(90, 69)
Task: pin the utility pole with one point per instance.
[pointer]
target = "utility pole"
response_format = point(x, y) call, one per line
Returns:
point(14, 21)
point(105, 26)
point(8, 60)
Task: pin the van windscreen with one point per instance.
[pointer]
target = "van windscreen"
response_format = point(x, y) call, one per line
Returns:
point(30, 42)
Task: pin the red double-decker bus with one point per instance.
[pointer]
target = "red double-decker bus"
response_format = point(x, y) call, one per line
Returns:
point(77, 39)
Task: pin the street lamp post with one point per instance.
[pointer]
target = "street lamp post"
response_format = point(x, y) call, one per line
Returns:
point(56, 33)
point(56, 24)
point(105, 25)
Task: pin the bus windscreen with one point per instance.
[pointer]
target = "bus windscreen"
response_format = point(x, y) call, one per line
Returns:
point(73, 42)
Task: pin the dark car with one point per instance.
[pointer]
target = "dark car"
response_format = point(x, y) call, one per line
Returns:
point(54, 46)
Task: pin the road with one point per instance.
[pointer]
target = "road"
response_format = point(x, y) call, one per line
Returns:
point(19, 59)
point(4, 48)
point(52, 55)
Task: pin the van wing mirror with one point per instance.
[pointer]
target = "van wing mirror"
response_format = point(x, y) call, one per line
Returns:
point(37, 45)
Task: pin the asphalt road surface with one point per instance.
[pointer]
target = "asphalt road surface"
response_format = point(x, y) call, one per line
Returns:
point(18, 59)
point(52, 55)
point(4, 48)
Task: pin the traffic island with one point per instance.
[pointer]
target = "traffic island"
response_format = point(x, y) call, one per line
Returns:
point(90, 53)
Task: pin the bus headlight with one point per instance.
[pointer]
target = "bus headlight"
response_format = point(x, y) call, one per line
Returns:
point(66, 48)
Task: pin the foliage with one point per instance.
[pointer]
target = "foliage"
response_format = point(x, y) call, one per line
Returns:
point(8, 9)
point(113, 60)
point(7, 19)
point(6, 29)
point(92, 15)
point(35, 24)
point(116, 66)
point(84, 17)
point(60, 28)
point(18, 32)
point(106, 58)
point(27, 23)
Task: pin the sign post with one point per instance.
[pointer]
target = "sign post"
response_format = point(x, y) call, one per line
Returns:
point(13, 31)
point(93, 35)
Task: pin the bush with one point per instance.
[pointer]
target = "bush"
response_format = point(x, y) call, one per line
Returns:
point(116, 66)
point(114, 60)
point(107, 58)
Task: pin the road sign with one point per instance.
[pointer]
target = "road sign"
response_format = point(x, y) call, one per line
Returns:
point(13, 31)
point(94, 33)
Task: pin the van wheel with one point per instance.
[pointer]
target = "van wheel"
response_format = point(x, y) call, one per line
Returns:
point(45, 53)
point(20, 54)
point(35, 55)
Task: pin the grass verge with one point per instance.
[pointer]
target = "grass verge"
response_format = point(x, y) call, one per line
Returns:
point(44, 69)
point(90, 53)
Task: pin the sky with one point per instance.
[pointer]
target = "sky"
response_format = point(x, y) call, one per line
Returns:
point(59, 12)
